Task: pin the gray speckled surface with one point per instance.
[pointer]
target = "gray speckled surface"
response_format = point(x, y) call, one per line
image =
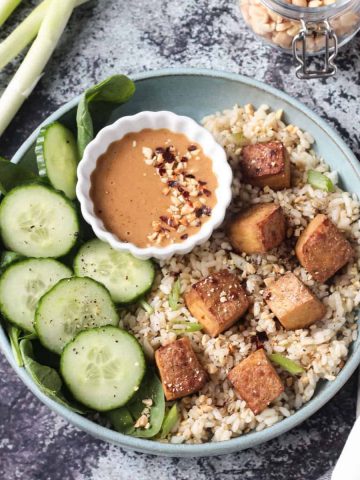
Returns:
point(132, 36)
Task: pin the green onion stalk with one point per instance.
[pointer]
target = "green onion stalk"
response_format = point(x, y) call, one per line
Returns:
point(25, 33)
point(31, 69)
point(6, 9)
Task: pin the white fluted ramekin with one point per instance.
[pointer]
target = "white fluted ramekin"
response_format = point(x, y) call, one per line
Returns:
point(155, 120)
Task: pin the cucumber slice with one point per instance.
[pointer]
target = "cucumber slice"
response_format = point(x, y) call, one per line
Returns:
point(22, 285)
point(103, 367)
point(37, 221)
point(72, 305)
point(126, 277)
point(57, 157)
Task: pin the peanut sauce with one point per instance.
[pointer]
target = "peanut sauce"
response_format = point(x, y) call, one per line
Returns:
point(153, 187)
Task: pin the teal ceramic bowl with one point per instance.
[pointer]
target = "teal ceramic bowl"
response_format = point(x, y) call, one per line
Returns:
point(196, 93)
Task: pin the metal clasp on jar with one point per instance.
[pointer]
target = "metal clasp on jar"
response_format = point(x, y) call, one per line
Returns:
point(309, 30)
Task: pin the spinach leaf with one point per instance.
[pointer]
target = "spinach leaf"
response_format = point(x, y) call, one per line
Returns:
point(124, 419)
point(174, 296)
point(7, 257)
point(16, 334)
point(12, 175)
point(14, 337)
point(115, 89)
point(46, 378)
point(170, 420)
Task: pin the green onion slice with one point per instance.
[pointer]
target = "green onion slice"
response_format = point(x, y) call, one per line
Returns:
point(238, 138)
point(186, 327)
point(146, 306)
point(320, 181)
point(174, 296)
point(287, 364)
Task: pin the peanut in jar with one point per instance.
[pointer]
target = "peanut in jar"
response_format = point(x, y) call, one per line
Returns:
point(279, 22)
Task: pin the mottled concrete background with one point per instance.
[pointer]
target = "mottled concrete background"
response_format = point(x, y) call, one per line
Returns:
point(107, 36)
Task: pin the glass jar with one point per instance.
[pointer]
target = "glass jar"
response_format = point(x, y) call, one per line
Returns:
point(305, 28)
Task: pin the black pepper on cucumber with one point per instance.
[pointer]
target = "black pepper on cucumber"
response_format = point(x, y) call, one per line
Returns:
point(23, 283)
point(70, 306)
point(37, 221)
point(127, 278)
point(103, 367)
point(57, 157)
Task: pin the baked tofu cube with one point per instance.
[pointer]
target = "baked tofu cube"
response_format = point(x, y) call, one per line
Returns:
point(256, 381)
point(322, 249)
point(293, 303)
point(266, 164)
point(217, 301)
point(258, 229)
point(180, 371)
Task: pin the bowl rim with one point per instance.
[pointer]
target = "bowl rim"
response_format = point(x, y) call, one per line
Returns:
point(178, 124)
point(210, 448)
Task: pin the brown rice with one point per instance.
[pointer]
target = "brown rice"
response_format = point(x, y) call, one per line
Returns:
point(216, 413)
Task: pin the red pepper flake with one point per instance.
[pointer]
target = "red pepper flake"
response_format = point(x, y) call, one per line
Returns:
point(198, 212)
point(184, 159)
point(207, 192)
point(169, 221)
point(184, 237)
point(186, 194)
point(206, 211)
point(262, 336)
point(162, 171)
point(189, 175)
point(259, 339)
point(202, 183)
point(191, 148)
point(169, 157)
